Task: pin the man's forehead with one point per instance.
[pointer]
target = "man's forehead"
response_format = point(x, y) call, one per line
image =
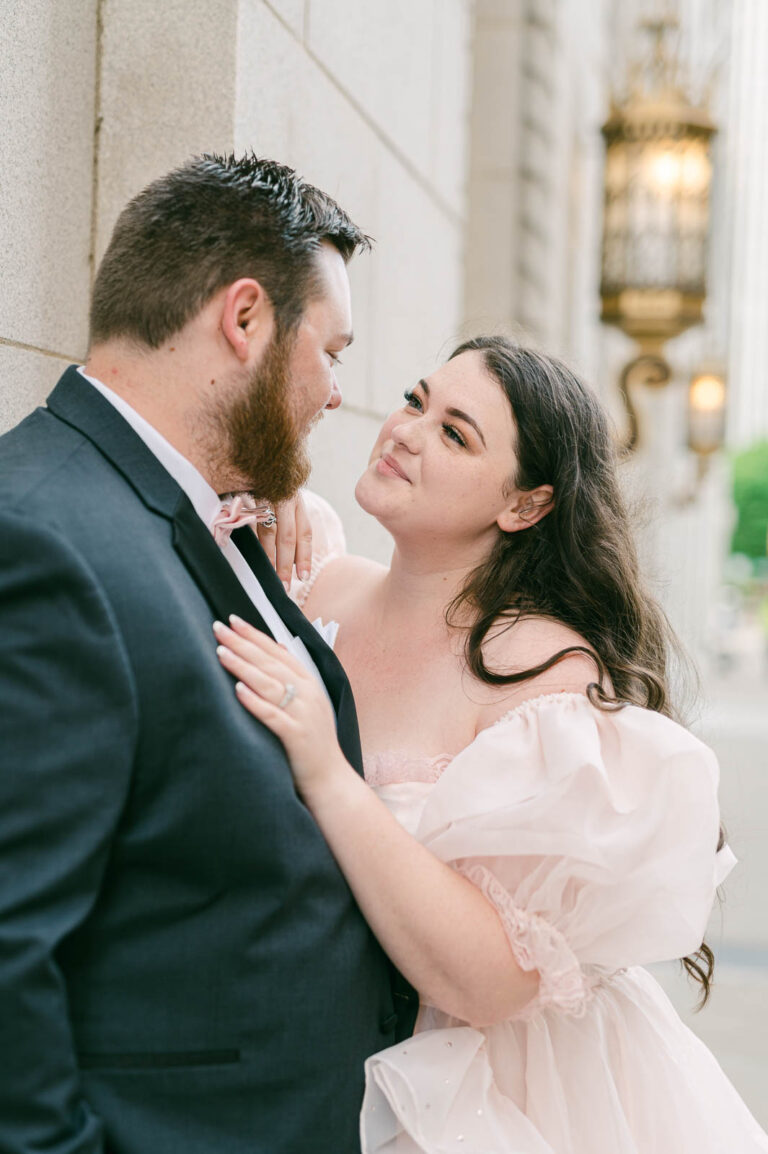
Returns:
point(331, 317)
point(333, 300)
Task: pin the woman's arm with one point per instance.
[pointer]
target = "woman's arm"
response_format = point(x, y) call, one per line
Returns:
point(437, 927)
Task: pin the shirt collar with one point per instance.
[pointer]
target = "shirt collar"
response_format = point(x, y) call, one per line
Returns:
point(205, 500)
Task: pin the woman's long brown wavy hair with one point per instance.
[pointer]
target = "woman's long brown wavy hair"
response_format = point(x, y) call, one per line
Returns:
point(578, 564)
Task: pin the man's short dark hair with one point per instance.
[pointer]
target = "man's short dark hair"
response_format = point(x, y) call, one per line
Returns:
point(201, 227)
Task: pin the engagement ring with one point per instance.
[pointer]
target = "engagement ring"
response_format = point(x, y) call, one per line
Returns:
point(288, 696)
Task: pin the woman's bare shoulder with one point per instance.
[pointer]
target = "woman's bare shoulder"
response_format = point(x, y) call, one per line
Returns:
point(513, 648)
point(341, 580)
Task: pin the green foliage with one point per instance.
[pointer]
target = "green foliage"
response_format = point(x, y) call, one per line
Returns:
point(750, 492)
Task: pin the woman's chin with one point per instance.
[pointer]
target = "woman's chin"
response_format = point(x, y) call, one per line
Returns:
point(373, 498)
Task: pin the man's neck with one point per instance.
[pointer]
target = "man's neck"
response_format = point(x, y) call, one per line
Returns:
point(159, 386)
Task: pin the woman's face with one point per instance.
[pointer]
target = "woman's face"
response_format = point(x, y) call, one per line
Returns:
point(442, 464)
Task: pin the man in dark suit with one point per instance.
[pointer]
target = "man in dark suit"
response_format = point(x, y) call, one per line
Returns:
point(182, 965)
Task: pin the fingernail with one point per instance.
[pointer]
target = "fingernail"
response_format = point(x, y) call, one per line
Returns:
point(304, 575)
point(286, 586)
point(218, 626)
point(235, 620)
point(222, 651)
point(240, 687)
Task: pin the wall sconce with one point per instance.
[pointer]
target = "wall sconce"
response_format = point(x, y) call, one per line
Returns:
point(656, 215)
point(706, 415)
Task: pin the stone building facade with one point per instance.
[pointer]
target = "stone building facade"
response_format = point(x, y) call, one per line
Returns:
point(544, 71)
point(370, 101)
point(464, 136)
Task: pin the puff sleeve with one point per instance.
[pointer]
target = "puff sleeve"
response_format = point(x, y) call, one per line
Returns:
point(592, 832)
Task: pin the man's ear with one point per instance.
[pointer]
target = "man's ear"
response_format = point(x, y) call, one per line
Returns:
point(529, 508)
point(247, 317)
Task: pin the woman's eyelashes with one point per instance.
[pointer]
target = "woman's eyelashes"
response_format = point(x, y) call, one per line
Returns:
point(414, 402)
point(455, 435)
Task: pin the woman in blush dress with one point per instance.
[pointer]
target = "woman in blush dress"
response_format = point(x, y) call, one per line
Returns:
point(535, 827)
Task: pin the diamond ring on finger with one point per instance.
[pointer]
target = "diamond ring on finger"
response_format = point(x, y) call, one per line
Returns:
point(288, 696)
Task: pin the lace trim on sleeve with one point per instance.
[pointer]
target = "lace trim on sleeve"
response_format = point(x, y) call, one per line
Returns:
point(300, 590)
point(537, 945)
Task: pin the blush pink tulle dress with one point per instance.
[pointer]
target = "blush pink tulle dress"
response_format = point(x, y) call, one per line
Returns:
point(593, 834)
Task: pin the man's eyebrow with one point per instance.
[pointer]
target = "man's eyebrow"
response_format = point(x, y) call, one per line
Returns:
point(461, 415)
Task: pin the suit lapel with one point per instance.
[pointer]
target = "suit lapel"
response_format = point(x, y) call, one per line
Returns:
point(210, 568)
point(328, 664)
point(80, 405)
point(289, 612)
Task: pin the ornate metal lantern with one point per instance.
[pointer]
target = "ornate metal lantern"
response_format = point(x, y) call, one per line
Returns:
point(656, 219)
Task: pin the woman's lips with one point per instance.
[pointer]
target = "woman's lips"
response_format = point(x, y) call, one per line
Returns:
point(390, 468)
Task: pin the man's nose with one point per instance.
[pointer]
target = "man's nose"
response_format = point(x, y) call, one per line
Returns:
point(335, 398)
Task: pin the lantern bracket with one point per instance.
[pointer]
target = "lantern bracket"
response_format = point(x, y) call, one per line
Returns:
point(647, 369)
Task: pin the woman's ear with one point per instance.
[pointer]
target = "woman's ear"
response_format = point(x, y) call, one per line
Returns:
point(247, 317)
point(529, 507)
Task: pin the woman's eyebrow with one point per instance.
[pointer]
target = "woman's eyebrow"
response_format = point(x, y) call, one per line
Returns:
point(462, 416)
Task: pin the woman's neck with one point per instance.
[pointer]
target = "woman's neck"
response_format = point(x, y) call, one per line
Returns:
point(420, 586)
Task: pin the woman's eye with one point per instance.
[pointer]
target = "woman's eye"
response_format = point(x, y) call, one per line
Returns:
point(455, 435)
point(412, 400)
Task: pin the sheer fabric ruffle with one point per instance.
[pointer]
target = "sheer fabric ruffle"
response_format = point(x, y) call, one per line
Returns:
point(328, 542)
point(594, 835)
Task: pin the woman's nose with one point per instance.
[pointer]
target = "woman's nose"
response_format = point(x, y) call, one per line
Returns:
point(404, 433)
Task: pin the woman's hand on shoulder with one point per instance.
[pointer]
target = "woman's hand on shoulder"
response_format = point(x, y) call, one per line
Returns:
point(283, 695)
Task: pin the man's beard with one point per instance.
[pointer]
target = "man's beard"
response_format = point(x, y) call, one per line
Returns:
point(262, 443)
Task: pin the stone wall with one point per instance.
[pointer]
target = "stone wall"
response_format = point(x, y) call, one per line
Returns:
point(745, 196)
point(97, 97)
point(47, 108)
point(535, 176)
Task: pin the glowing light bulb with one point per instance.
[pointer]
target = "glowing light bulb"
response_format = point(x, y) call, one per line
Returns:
point(707, 393)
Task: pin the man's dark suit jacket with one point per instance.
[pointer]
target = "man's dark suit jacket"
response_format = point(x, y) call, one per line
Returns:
point(182, 965)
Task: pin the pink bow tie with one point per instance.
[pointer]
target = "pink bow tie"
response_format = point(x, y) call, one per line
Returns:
point(237, 511)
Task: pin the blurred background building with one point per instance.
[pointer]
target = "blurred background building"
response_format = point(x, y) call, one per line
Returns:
point(466, 138)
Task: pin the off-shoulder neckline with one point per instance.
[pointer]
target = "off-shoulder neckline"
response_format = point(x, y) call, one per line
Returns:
point(427, 759)
point(542, 699)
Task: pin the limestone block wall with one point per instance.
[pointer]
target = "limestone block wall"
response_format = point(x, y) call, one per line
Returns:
point(370, 101)
point(535, 174)
point(47, 100)
point(544, 73)
point(746, 223)
point(166, 88)
point(367, 99)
